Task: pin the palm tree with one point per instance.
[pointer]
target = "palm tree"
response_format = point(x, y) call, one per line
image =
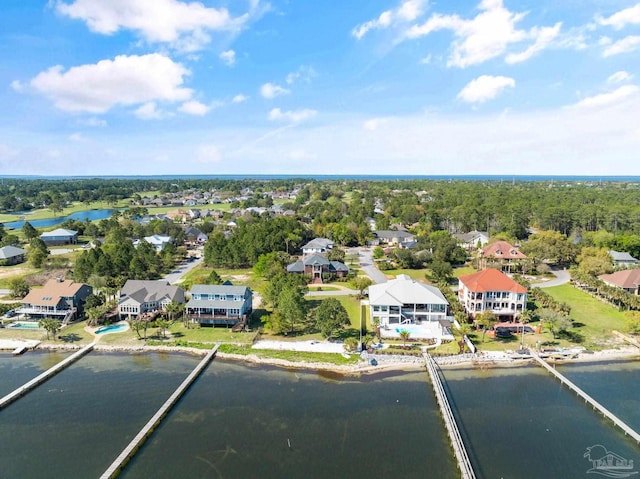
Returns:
point(50, 325)
point(486, 320)
point(404, 335)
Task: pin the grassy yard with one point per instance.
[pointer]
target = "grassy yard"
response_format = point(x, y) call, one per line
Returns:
point(417, 274)
point(457, 272)
point(593, 319)
point(293, 356)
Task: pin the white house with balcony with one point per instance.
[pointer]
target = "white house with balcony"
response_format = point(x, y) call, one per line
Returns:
point(407, 304)
point(492, 290)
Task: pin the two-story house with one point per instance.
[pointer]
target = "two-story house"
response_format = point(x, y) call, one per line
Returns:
point(316, 265)
point(405, 303)
point(222, 304)
point(501, 255)
point(141, 297)
point(317, 245)
point(628, 279)
point(492, 290)
point(59, 299)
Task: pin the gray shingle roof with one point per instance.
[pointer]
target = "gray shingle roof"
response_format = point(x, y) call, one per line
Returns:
point(151, 291)
point(218, 289)
point(7, 252)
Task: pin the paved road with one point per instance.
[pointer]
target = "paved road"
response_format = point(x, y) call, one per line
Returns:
point(562, 276)
point(368, 266)
point(180, 270)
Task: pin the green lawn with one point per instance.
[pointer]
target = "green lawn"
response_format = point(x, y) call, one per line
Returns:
point(417, 274)
point(592, 318)
point(457, 272)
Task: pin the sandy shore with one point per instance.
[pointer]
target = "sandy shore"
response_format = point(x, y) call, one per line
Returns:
point(385, 364)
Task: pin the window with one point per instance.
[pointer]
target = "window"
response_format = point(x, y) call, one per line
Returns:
point(376, 308)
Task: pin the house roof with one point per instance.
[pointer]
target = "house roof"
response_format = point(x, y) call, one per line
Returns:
point(316, 260)
point(392, 234)
point(404, 290)
point(143, 291)
point(193, 231)
point(58, 232)
point(628, 279)
point(51, 292)
point(157, 239)
point(470, 236)
point(502, 249)
point(490, 280)
point(622, 256)
point(319, 243)
point(218, 289)
point(7, 252)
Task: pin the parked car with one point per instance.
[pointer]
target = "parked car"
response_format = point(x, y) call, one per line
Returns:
point(10, 314)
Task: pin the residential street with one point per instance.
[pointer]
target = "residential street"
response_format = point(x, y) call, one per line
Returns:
point(365, 256)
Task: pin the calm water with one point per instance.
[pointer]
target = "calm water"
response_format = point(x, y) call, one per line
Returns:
point(238, 421)
point(75, 424)
point(521, 423)
point(90, 215)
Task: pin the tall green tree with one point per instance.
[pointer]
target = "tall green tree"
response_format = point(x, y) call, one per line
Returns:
point(486, 320)
point(29, 231)
point(331, 317)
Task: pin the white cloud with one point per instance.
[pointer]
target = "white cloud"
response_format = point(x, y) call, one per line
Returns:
point(304, 73)
point(239, 98)
point(271, 90)
point(628, 16)
point(543, 38)
point(625, 45)
point(208, 154)
point(150, 111)
point(294, 116)
point(616, 96)
point(301, 154)
point(373, 124)
point(77, 137)
point(619, 77)
point(485, 87)
point(196, 108)
point(93, 122)
point(228, 57)
point(488, 35)
point(125, 80)
point(407, 11)
point(17, 85)
point(183, 25)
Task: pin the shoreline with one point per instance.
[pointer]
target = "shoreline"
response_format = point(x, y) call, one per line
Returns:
point(385, 364)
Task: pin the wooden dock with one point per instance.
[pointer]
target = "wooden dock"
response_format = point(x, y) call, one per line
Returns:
point(114, 469)
point(25, 388)
point(459, 449)
point(588, 399)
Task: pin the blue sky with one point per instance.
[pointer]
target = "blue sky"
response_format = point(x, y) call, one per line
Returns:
point(126, 87)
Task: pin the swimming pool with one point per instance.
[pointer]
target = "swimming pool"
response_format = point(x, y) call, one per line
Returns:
point(112, 328)
point(24, 325)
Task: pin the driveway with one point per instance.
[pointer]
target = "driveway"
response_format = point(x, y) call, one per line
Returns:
point(179, 271)
point(562, 276)
point(365, 256)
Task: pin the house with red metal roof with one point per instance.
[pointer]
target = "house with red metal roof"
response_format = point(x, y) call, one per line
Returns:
point(501, 255)
point(492, 290)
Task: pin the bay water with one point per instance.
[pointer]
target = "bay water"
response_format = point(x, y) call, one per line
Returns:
point(240, 421)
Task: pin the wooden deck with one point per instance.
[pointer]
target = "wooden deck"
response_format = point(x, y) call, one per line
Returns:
point(25, 388)
point(588, 399)
point(459, 449)
point(129, 451)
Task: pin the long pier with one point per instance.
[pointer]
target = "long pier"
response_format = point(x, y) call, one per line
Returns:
point(125, 456)
point(52, 371)
point(588, 399)
point(459, 449)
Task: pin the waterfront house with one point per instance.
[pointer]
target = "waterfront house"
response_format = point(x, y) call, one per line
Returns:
point(317, 245)
point(139, 297)
point(317, 265)
point(501, 255)
point(10, 255)
point(622, 259)
point(59, 236)
point(405, 303)
point(628, 279)
point(58, 298)
point(492, 290)
point(223, 304)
